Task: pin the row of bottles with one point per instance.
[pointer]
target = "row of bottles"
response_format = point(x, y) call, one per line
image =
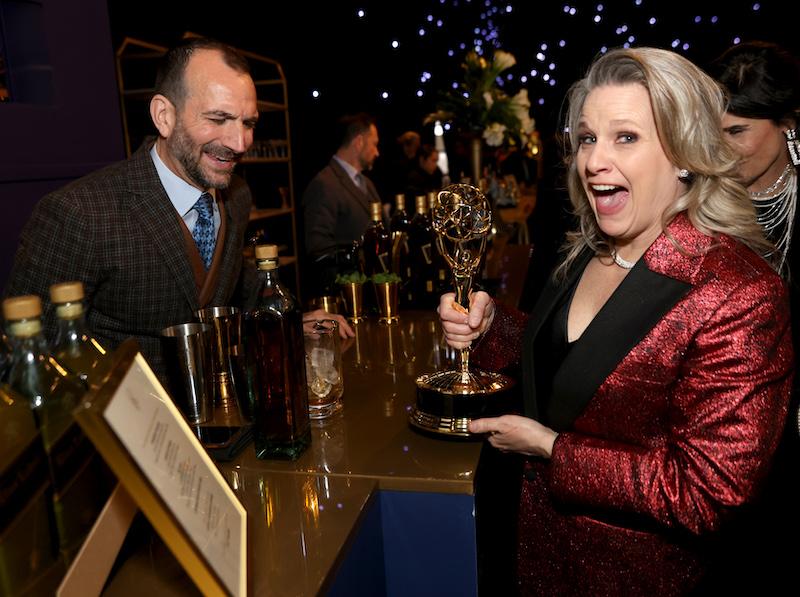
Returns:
point(53, 382)
point(408, 249)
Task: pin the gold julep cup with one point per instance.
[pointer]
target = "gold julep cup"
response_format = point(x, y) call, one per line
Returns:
point(353, 295)
point(331, 304)
point(387, 302)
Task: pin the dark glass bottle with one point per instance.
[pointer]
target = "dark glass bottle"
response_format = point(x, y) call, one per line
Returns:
point(399, 221)
point(398, 227)
point(53, 393)
point(441, 282)
point(75, 348)
point(276, 363)
point(377, 244)
point(421, 273)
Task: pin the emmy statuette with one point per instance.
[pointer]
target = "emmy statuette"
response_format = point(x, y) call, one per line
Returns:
point(448, 400)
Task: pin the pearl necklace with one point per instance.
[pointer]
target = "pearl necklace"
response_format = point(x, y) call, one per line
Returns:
point(623, 263)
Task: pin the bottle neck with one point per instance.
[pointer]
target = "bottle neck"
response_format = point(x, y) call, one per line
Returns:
point(24, 329)
point(71, 322)
point(268, 265)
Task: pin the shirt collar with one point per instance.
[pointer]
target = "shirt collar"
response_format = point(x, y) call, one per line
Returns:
point(351, 171)
point(181, 194)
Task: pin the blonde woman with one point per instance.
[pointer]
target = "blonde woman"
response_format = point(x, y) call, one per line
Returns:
point(657, 362)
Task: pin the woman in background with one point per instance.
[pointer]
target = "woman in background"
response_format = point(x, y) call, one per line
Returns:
point(762, 82)
point(763, 85)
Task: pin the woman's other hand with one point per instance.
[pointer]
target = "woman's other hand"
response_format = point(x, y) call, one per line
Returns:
point(513, 433)
point(462, 328)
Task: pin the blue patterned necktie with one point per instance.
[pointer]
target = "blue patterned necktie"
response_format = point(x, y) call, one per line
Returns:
point(203, 232)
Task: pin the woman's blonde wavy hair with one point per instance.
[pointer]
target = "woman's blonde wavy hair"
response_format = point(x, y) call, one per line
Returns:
point(687, 107)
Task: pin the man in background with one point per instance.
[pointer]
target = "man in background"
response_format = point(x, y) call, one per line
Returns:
point(336, 203)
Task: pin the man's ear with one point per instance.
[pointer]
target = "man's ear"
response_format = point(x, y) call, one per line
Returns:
point(358, 142)
point(163, 114)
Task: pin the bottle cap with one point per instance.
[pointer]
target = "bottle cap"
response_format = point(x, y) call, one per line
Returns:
point(22, 307)
point(422, 204)
point(266, 251)
point(66, 292)
point(400, 201)
point(375, 208)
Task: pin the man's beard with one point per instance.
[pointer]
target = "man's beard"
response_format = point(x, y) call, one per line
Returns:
point(182, 147)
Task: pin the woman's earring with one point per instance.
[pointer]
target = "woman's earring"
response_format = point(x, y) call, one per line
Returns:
point(794, 146)
point(685, 176)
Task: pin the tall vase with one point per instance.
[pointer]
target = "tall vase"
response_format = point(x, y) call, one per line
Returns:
point(477, 160)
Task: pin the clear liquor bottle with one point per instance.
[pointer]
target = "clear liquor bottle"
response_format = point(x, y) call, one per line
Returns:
point(75, 348)
point(5, 356)
point(377, 244)
point(28, 541)
point(276, 363)
point(53, 393)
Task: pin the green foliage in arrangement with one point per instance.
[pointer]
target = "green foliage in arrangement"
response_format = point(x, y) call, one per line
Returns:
point(351, 278)
point(385, 278)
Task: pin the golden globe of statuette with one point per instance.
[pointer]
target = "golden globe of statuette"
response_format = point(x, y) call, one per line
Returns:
point(448, 400)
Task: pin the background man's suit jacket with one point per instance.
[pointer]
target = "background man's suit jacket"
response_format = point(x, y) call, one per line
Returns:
point(116, 231)
point(336, 211)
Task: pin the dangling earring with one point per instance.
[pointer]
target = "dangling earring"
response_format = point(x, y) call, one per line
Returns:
point(685, 176)
point(794, 146)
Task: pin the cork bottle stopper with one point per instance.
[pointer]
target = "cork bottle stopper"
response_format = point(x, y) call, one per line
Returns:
point(66, 292)
point(22, 307)
point(266, 251)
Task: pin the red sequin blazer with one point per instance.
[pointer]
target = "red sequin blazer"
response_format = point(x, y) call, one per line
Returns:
point(670, 407)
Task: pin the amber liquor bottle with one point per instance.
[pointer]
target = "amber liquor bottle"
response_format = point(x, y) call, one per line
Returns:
point(276, 363)
point(377, 244)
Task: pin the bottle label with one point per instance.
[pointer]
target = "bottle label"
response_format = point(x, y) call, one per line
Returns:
point(68, 455)
point(25, 328)
point(20, 481)
point(383, 260)
point(426, 253)
point(69, 310)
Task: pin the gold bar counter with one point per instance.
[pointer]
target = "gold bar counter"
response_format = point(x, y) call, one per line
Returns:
point(371, 507)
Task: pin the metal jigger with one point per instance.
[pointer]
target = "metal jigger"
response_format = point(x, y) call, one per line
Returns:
point(448, 400)
point(227, 352)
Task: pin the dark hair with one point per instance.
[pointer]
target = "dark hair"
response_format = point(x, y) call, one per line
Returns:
point(762, 80)
point(352, 125)
point(170, 80)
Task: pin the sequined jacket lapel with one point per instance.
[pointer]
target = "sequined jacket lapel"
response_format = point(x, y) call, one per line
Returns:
point(654, 286)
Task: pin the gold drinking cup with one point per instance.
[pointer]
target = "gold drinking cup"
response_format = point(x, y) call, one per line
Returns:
point(387, 302)
point(331, 304)
point(353, 295)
